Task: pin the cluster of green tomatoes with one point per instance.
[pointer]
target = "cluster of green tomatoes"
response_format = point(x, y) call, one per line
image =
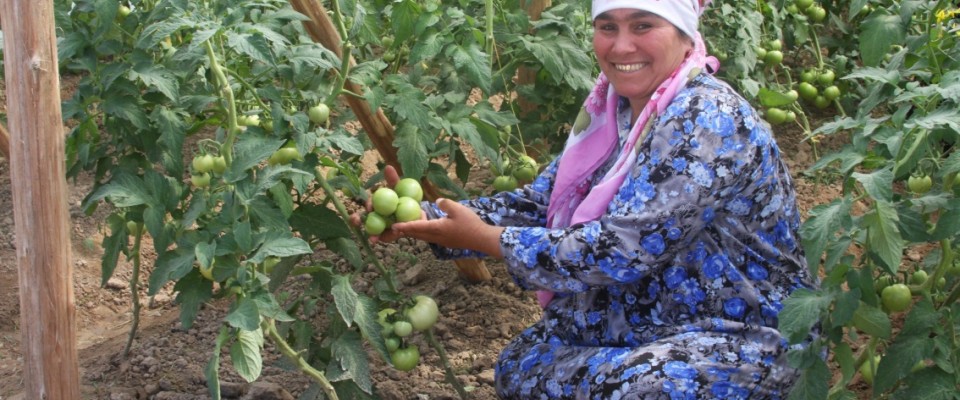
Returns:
point(203, 166)
point(398, 204)
point(523, 171)
point(398, 326)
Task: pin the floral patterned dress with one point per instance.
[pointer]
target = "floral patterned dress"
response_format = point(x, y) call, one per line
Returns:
point(674, 293)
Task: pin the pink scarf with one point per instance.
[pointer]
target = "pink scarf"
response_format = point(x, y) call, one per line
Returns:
point(572, 200)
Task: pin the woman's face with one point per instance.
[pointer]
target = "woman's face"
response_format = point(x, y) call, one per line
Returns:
point(637, 50)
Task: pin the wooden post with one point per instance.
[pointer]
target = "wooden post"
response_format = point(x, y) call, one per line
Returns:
point(375, 122)
point(38, 176)
point(526, 75)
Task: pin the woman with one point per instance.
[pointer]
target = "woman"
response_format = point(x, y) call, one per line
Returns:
point(663, 240)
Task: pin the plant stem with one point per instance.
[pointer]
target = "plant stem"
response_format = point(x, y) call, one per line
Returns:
point(232, 129)
point(270, 327)
point(134, 284)
point(448, 370)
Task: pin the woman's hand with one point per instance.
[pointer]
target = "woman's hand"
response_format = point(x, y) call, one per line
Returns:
point(462, 228)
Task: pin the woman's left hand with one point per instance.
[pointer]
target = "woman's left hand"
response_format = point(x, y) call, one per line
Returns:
point(462, 228)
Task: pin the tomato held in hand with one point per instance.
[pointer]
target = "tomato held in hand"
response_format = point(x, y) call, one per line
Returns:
point(409, 187)
point(408, 209)
point(375, 224)
point(405, 359)
point(385, 201)
point(896, 297)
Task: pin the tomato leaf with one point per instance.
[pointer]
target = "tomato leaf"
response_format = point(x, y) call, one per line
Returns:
point(812, 384)
point(280, 245)
point(346, 248)
point(404, 18)
point(878, 184)
point(884, 30)
point(192, 291)
point(245, 353)
point(254, 46)
point(345, 298)
point(351, 361)
point(314, 221)
point(156, 77)
point(884, 242)
point(911, 345)
point(472, 60)
point(171, 265)
point(801, 311)
point(562, 56)
point(248, 153)
point(268, 307)
point(282, 198)
point(412, 145)
point(873, 321)
point(212, 370)
point(426, 47)
point(245, 315)
point(773, 98)
point(821, 226)
point(929, 384)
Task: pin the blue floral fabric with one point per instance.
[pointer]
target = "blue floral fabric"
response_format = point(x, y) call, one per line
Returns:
point(674, 293)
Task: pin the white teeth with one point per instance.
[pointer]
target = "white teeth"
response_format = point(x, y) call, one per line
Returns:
point(630, 67)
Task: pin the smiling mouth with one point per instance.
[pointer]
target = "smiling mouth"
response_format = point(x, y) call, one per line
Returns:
point(630, 67)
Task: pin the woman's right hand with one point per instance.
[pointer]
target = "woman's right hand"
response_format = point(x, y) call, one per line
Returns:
point(391, 176)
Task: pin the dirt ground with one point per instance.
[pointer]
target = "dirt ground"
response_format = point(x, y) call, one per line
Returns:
point(166, 361)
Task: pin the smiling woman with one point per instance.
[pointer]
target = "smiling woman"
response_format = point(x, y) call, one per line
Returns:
point(661, 243)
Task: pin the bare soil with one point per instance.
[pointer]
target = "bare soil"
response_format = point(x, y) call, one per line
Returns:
point(166, 361)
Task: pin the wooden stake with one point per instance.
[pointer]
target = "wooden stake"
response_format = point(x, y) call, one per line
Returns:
point(4, 142)
point(375, 122)
point(38, 176)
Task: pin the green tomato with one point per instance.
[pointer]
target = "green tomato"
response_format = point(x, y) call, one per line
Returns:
point(219, 165)
point(407, 210)
point(868, 369)
point(817, 13)
point(918, 277)
point(527, 169)
point(123, 11)
point(319, 114)
point(375, 224)
point(269, 263)
point(402, 328)
point(392, 343)
point(251, 120)
point(807, 91)
point(802, 5)
point(791, 116)
point(896, 297)
point(383, 317)
point(821, 102)
point(826, 77)
point(773, 57)
point(831, 92)
point(385, 201)
point(423, 315)
point(761, 53)
point(405, 359)
point(504, 183)
point(284, 155)
point(793, 95)
point(202, 163)
point(775, 116)
point(409, 187)
point(201, 180)
point(882, 282)
point(808, 76)
point(774, 44)
point(919, 184)
point(133, 227)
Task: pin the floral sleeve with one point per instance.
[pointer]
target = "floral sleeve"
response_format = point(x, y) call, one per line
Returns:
point(521, 207)
point(698, 177)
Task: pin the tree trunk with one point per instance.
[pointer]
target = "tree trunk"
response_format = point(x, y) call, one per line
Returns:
point(38, 176)
point(378, 127)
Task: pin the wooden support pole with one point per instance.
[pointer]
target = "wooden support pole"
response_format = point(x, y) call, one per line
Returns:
point(526, 75)
point(38, 176)
point(374, 122)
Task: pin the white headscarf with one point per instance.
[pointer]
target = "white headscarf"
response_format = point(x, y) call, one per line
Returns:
point(684, 14)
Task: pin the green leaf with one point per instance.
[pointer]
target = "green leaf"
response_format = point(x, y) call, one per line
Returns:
point(846, 306)
point(465, 128)
point(821, 227)
point(345, 298)
point(243, 234)
point(812, 384)
point(472, 60)
point(843, 355)
point(245, 353)
point(883, 31)
point(112, 246)
point(873, 321)
point(212, 370)
point(427, 46)
point(404, 17)
point(366, 319)
point(347, 248)
point(350, 361)
point(268, 307)
point(171, 265)
point(124, 190)
point(878, 184)
point(317, 221)
point(945, 116)
point(247, 154)
point(929, 384)
point(773, 98)
point(205, 253)
point(884, 242)
point(412, 146)
point(407, 101)
point(562, 56)
point(282, 198)
point(192, 291)
point(245, 315)
point(253, 46)
point(281, 246)
point(801, 311)
point(157, 77)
